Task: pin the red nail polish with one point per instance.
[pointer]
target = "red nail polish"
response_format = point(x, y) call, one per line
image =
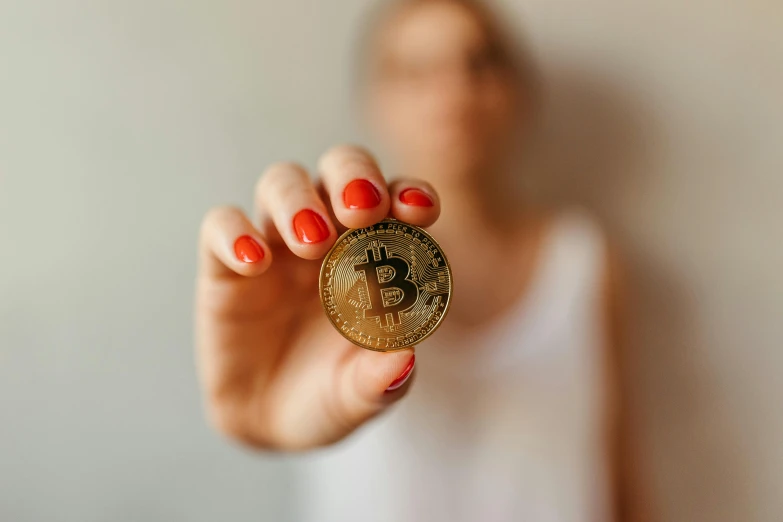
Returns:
point(399, 381)
point(415, 198)
point(360, 193)
point(248, 250)
point(310, 227)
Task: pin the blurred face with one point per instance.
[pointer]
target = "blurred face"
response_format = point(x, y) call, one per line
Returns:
point(441, 97)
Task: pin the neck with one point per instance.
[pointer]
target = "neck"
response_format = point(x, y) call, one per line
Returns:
point(486, 200)
point(484, 228)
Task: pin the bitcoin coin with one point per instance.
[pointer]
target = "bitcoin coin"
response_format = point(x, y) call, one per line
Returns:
point(385, 287)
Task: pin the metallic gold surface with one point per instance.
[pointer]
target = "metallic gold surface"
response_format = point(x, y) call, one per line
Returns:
point(385, 287)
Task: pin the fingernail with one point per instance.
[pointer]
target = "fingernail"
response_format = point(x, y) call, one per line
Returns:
point(248, 250)
point(399, 381)
point(360, 193)
point(415, 198)
point(310, 227)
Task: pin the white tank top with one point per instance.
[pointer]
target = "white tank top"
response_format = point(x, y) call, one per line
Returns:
point(506, 424)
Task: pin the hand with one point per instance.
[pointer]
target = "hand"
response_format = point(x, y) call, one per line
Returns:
point(275, 373)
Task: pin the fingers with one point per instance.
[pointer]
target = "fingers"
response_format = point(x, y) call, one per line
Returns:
point(286, 197)
point(230, 244)
point(370, 383)
point(355, 186)
point(414, 201)
point(373, 377)
point(360, 196)
point(291, 209)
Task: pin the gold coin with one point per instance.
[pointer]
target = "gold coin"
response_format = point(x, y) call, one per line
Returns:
point(387, 286)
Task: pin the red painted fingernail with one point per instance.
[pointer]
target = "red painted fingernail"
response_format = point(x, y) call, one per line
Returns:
point(310, 227)
point(360, 193)
point(248, 250)
point(399, 381)
point(415, 198)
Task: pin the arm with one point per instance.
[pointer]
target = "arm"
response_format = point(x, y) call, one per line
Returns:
point(630, 485)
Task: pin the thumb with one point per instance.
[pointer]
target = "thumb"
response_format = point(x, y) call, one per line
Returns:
point(374, 380)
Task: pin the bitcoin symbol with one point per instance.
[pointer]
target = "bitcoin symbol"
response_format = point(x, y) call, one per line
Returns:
point(387, 282)
point(385, 287)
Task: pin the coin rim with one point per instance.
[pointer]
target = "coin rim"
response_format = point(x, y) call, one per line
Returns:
point(357, 343)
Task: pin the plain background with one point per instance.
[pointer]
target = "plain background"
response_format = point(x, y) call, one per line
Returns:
point(123, 121)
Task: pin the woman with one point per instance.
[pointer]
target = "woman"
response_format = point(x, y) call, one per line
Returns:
point(514, 412)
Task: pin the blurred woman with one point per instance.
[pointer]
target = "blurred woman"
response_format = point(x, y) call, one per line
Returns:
point(514, 414)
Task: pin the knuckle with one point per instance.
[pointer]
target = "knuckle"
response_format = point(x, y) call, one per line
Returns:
point(344, 149)
point(282, 182)
point(280, 172)
point(293, 191)
point(248, 420)
point(221, 211)
point(233, 423)
point(343, 156)
point(215, 215)
point(228, 423)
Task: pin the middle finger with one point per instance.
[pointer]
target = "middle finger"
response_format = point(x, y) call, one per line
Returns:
point(355, 186)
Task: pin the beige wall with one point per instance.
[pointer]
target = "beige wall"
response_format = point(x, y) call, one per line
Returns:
point(122, 121)
point(667, 119)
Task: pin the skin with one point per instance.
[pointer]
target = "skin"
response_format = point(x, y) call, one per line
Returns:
point(275, 373)
point(449, 113)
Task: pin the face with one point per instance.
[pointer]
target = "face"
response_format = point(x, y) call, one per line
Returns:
point(441, 98)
